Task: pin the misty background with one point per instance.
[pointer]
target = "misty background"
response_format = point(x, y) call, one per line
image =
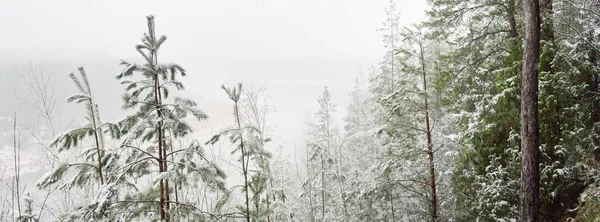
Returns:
point(291, 48)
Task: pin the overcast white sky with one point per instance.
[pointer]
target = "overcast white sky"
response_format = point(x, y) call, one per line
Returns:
point(294, 47)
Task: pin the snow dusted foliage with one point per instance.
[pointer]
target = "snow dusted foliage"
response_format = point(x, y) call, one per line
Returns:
point(479, 80)
point(412, 132)
point(285, 189)
point(481, 75)
point(149, 137)
point(267, 194)
point(433, 135)
point(155, 121)
point(249, 141)
point(29, 214)
point(590, 208)
point(377, 197)
point(384, 81)
point(364, 149)
point(385, 169)
point(324, 186)
point(99, 164)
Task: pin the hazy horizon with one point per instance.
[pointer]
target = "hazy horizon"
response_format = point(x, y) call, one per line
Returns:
point(293, 48)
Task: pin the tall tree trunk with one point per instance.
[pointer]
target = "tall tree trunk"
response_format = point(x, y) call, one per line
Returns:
point(310, 187)
point(511, 18)
point(323, 190)
point(530, 158)
point(159, 127)
point(322, 184)
point(245, 160)
point(164, 158)
point(17, 166)
point(432, 182)
point(160, 151)
point(593, 58)
point(340, 172)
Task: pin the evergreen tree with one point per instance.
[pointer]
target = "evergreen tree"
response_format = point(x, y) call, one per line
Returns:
point(250, 142)
point(28, 214)
point(261, 184)
point(101, 163)
point(439, 133)
point(325, 177)
point(150, 130)
point(366, 199)
point(409, 117)
point(485, 81)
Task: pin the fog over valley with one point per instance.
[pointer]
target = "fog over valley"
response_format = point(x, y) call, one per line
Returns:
point(313, 110)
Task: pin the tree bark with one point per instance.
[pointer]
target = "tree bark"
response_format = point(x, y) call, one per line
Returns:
point(17, 166)
point(530, 175)
point(322, 184)
point(245, 159)
point(310, 187)
point(432, 182)
point(511, 19)
point(593, 59)
point(160, 152)
point(163, 143)
point(159, 129)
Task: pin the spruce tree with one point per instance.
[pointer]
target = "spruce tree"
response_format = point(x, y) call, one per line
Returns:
point(325, 178)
